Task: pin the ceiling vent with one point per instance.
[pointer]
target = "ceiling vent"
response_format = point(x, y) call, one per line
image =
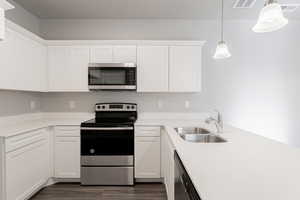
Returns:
point(244, 4)
point(289, 8)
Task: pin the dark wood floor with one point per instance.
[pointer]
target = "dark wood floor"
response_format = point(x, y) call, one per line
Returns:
point(77, 192)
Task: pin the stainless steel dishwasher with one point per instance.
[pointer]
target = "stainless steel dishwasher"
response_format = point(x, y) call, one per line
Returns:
point(184, 188)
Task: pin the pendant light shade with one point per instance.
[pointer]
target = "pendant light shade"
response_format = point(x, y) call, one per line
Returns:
point(222, 50)
point(4, 5)
point(271, 18)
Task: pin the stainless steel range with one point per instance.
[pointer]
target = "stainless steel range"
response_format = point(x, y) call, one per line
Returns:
point(107, 145)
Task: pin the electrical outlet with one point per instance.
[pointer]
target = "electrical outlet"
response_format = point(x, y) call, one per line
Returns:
point(160, 104)
point(32, 105)
point(72, 105)
point(187, 104)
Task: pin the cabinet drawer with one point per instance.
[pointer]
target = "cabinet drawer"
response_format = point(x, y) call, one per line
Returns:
point(147, 131)
point(25, 139)
point(147, 139)
point(67, 131)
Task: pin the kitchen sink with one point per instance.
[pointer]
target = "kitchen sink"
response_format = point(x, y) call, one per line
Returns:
point(198, 135)
point(191, 130)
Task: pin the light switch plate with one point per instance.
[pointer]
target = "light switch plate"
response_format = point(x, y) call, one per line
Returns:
point(187, 104)
point(160, 104)
point(32, 105)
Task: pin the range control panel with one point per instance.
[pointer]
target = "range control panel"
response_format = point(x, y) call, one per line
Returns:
point(115, 107)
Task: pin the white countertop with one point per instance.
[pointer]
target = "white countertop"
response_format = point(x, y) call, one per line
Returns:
point(247, 167)
point(10, 128)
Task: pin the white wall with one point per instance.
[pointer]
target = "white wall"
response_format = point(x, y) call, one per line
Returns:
point(256, 89)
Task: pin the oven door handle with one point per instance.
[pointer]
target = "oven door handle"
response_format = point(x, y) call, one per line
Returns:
point(106, 128)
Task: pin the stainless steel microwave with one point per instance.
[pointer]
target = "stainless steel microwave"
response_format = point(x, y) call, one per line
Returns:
point(112, 76)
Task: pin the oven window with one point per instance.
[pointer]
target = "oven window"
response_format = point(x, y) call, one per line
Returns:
point(107, 76)
point(117, 142)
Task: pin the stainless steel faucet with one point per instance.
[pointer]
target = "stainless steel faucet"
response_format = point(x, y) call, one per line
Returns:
point(218, 122)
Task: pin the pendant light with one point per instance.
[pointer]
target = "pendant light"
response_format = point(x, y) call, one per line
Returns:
point(222, 50)
point(271, 18)
point(4, 5)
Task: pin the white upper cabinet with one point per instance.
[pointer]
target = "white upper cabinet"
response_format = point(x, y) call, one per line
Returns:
point(185, 68)
point(113, 54)
point(7, 62)
point(68, 68)
point(102, 54)
point(22, 63)
point(152, 69)
point(124, 54)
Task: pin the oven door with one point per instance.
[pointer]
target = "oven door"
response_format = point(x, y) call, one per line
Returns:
point(107, 141)
point(112, 77)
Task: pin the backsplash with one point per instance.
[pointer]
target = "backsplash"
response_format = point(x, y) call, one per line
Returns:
point(16, 103)
point(147, 102)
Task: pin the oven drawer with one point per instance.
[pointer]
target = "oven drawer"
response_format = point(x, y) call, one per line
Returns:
point(107, 175)
point(106, 160)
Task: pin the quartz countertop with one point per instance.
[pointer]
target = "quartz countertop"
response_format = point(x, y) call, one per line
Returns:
point(246, 167)
point(11, 129)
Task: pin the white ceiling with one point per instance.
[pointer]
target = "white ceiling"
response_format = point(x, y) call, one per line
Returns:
point(141, 9)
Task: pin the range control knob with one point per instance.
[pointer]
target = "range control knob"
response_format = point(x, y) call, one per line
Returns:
point(132, 107)
point(128, 107)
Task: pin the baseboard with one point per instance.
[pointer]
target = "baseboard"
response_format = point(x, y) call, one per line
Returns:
point(149, 180)
point(64, 180)
point(32, 191)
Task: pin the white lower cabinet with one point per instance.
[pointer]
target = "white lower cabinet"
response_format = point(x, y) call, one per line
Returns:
point(147, 152)
point(67, 152)
point(147, 157)
point(27, 162)
point(168, 165)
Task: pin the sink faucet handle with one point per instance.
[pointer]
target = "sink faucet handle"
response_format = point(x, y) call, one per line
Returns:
point(218, 121)
point(219, 117)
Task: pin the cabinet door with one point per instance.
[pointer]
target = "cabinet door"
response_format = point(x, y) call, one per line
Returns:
point(27, 168)
point(68, 68)
point(152, 69)
point(22, 63)
point(185, 68)
point(8, 75)
point(168, 165)
point(101, 54)
point(41, 67)
point(57, 68)
point(67, 157)
point(147, 157)
point(78, 69)
point(124, 54)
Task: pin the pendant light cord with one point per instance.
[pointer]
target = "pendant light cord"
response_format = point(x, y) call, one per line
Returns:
point(222, 22)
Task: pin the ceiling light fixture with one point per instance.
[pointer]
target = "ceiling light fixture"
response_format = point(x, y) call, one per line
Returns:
point(271, 18)
point(222, 50)
point(4, 5)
